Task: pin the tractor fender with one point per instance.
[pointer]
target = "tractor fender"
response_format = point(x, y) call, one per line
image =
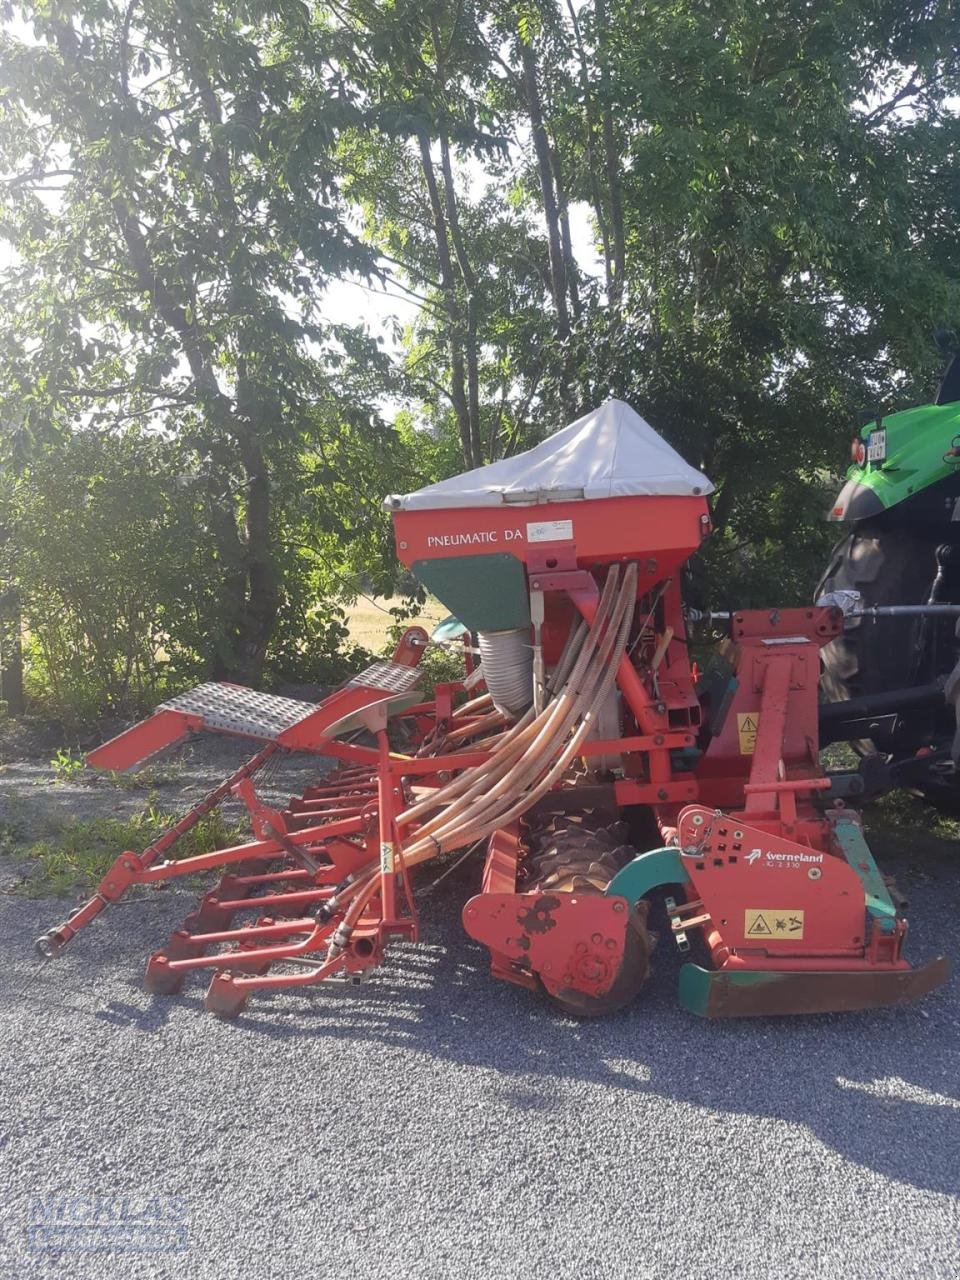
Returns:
point(648, 871)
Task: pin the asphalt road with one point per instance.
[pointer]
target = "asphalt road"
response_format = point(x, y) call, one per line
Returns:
point(437, 1124)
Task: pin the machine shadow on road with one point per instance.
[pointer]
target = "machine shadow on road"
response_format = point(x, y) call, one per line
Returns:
point(880, 1088)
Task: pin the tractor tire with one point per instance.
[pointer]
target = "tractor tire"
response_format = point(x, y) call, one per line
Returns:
point(887, 566)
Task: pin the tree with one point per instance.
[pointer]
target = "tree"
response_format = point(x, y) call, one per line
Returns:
point(112, 580)
point(174, 208)
point(772, 190)
point(787, 178)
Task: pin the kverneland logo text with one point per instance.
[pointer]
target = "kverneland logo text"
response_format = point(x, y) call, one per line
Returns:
point(788, 859)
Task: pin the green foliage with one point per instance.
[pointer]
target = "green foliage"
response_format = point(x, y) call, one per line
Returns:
point(175, 213)
point(440, 666)
point(783, 263)
point(79, 854)
point(112, 580)
point(156, 774)
point(315, 648)
point(193, 456)
point(781, 186)
point(66, 765)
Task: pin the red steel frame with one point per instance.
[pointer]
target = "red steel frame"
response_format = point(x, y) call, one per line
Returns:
point(301, 864)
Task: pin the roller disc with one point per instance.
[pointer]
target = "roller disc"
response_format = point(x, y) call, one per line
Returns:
point(571, 856)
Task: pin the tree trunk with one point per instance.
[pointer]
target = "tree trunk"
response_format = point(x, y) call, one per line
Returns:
point(11, 653)
point(541, 144)
point(590, 133)
point(458, 393)
point(231, 576)
point(619, 240)
point(570, 262)
point(259, 615)
point(470, 288)
point(611, 162)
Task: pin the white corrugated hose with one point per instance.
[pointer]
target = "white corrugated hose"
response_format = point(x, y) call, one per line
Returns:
point(507, 661)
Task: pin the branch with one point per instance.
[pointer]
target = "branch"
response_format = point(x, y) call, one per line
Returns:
point(119, 389)
point(411, 270)
point(385, 293)
point(154, 408)
point(125, 49)
point(412, 372)
point(102, 266)
point(21, 179)
point(911, 89)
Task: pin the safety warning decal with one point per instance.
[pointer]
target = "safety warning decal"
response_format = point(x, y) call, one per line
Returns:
point(748, 722)
point(772, 922)
point(386, 856)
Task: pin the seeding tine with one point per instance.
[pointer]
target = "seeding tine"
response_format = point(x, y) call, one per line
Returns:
point(229, 991)
point(160, 978)
point(278, 889)
point(209, 914)
point(230, 959)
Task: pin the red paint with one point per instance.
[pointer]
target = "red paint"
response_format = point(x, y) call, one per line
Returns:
point(295, 878)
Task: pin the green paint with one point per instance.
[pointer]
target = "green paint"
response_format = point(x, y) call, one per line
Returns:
point(648, 871)
point(857, 853)
point(698, 988)
point(917, 439)
point(487, 593)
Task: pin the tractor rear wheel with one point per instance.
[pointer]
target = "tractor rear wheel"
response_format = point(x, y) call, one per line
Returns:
point(886, 566)
point(576, 855)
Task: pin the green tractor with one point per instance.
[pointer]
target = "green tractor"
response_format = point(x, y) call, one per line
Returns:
point(896, 573)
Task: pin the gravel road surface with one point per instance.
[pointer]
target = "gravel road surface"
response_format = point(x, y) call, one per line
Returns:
point(436, 1124)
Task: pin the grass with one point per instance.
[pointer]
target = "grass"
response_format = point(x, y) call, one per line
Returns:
point(79, 854)
point(899, 822)
point(369, 620)
point(905, 824)
point(165, 774)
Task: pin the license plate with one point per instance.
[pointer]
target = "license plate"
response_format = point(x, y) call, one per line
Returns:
point(877, 446)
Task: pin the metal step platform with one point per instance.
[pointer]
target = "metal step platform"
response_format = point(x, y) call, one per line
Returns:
point(233, 709)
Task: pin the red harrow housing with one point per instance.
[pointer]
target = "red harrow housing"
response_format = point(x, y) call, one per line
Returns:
point(583, 737)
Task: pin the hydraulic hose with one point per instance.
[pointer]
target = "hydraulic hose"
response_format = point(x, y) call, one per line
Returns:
point(531, 757)
point(525, 736)
point(504, 802)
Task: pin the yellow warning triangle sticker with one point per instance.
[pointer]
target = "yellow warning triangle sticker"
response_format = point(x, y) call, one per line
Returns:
point(758, 927)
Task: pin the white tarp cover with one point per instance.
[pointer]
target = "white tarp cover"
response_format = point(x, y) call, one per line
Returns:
point(608, 453)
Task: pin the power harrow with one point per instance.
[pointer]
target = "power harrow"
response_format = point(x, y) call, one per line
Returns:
point(583, 750)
